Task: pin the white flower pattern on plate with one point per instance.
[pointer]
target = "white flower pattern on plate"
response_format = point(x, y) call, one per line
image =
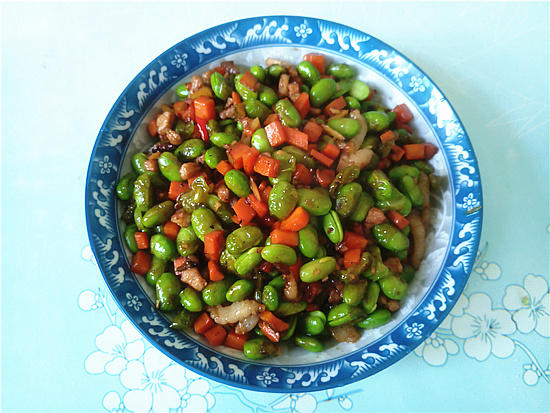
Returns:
point(530, 305)
point(133, 301)
point(179, 60)
point(417, 84)
point(485, 330)
point(414, 330)
point(302, 31)
point(267, 378)
point(105, 164)
point(469, 202)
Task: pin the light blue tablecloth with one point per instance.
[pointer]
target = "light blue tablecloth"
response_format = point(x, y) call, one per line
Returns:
point(66, 346)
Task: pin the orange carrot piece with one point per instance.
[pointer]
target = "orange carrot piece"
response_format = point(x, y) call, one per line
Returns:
point(270, 318)
point(352, 257)
point(176, 188)
point(414, 151)
point(302, 104)
point(271, 118)
point(275, 133)
point(403, 113)
point(331, 150)
point(317, 60)
point(399, 220)
point(258, 206)
point(302, 175)
point(205, 108)
point(387, 136)
point(216, 335)
point(152, 127)
point(203, 323)
point(171, 230)
point(141, 261)
point(235, 154)
point(397, 153)
point(339, 103)
point(352, 240)
point(313, 130)
point(325, 160)
point(214, 243)
point(325, 177)
point(142, 240)
point(296, 138)
point(249, 80)
point(269, 332)
point(236, 98)
point(289, 238)
point(249, 160)
point(267, 166)
point(214, 272)
point(224, 167)
point(244, 211)
point(235, 341)
point(297, 220)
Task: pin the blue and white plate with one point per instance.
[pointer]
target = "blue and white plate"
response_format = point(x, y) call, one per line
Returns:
point(456, 213)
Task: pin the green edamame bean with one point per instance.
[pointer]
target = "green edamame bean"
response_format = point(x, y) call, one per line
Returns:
point(286, 308)
point(258, 72)
point(308, 73)
point(155, 270)
point(187, 242)
point(237, 182)
point(260, 142)
point(397, 202)
point(158, 214)
point(346, 126)
point(321, 252)
point(143, 192)
point(343, 314)
point(138, 219)
point(138, 162)
point(239, 290)
point(278, 282)
point(270, 297)
point(308, 241)
point(352, 103)
point(398, 172)
point(333, 227)
point(162, 247)
point(267, 96)
point(243, 239)
point(359, 89)
point(242, 90)
point(376, 319)
point(424, 167)
point(393, 286)
point(390, 237)
point(340, 70)
point(220, 86)
point(220, 208)
point(213, 156)
point(310, 344)
point(376, 121)
point(379, 184)
point(256, 109)
point(169, 166)
point(182, 91)
point(227, 261)
point(222, 139)
point(214, 293)
point(322, 91)
point(287, 168)
point(315, 203)
point(184, 320)
point(184, 129)
point(288, 114)
point(353, 293)
point(279, 253)
point(289, 332)
point(314, 323)
point(191, 300)
point(260, 348)
point(125, 187)
point(129, 237)
point(282, 199)
point(345, 176)
point(301, 156)
point(348, 198)
point(411, 189)
point(274, 71)
point(190, 149)
point(408, 273)
point(317, 269)
point(204, 221)
point(342, 87)
point(370, 300)
point(248, 261)
point(167, 288)
point(366, 202)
